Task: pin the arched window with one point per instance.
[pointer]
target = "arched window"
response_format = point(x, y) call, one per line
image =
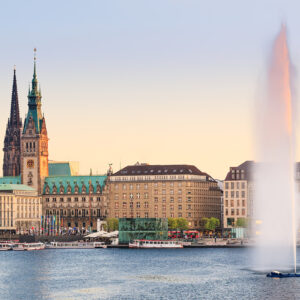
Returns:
point(76, 189)
point(54, 189)
point(69, 189)
point(61, 189)
point(83, 189)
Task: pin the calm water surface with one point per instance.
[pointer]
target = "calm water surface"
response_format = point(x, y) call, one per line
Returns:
point(138, 274)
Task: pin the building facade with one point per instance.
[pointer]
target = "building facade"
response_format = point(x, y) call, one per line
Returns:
point(238, 194)
point(20, 209)
point(163, 191)
point(78, 201)
point(12, 140)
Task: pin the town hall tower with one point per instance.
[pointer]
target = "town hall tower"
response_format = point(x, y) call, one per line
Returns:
point(34, 140)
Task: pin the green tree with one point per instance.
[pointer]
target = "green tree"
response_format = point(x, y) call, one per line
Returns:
point(182, 224)
point(112, 224)
point(211, 223)
point(242, 222)
point(172, 223)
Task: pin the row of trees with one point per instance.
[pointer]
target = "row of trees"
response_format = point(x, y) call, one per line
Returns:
point(211, 224)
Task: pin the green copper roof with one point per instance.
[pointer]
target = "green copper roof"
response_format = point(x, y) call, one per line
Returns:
point(72, 181)
point(59, 169)
point(16, 187)
point(34, 104)
point(10, 180)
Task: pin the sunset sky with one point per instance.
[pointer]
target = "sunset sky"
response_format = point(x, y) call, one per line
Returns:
point(162, 82)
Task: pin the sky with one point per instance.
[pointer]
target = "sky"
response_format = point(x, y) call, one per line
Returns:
point(160, 82)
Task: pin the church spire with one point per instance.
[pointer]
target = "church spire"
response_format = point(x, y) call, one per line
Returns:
point(14, 108)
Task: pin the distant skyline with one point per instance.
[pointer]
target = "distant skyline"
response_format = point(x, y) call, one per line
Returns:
point(161, 82)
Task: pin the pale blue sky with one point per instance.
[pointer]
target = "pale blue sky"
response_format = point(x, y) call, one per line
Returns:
point(151, 81)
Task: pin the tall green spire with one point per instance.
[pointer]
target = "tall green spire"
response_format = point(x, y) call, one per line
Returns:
point(34, 101)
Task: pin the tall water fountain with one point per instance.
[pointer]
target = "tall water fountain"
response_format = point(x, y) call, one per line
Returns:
point(274, 174)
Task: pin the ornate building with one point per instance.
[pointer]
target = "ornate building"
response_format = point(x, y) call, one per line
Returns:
point(34, 140)
point(12, 144)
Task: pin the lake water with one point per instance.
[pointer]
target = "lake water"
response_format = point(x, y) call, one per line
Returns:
point(138, 274)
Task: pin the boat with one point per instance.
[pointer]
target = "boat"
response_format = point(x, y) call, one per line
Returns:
point(157, 244)
point(5, 246)
point(28, 246)
point(75, 245)
point(277, 274)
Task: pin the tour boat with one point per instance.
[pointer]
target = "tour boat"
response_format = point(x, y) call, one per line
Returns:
point(75, 245)
point(28, 246)
point(146, 244)
point(5, 246)
point(276, 274)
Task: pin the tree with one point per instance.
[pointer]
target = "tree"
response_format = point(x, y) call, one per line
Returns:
point(211, 223)
point(242, 222)
point(182, 224)
point(172, 223)
point(112, 224)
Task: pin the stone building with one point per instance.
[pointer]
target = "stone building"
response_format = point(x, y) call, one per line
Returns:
point(238, 194)
point(162, 191)
point(12, 140)
point(79, 201)
point(20, 209)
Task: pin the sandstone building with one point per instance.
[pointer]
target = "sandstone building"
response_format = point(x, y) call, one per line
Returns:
point(162, 191)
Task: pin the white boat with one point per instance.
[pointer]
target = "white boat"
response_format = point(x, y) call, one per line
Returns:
point(157, 244)
point(28, 246)
point(5, 246)
point(75, 245)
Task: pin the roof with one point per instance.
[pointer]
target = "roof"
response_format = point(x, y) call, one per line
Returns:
point(144, 169)
point(72, 181)
point(16, 187)
point(10, 180)
point(245, 168)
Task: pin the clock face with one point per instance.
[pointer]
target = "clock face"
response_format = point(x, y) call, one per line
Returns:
point(30, 163)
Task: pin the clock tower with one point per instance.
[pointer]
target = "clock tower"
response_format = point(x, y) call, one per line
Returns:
point(34, 139)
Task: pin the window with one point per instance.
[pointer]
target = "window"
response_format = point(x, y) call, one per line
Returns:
point(237, 194)
point(172, 192)
point(146, 204)
point(62, 199)
point(138, 195)
point(98, 199)
point(124, 186)
point(226, 212)
point(243, 211)
point(130, 186)
point(237, 185)
point(232, 194)
point(83, 199)
point(138, 186)
point(146, 215)
point(243, 194)
point(155, 184)
point(117, 205)
point(53, 199)
point(146, 196)
point(131, 204)
point(69, 199)
point(171, 199)
point(226, 194)
point(47, 199)
point(155, 199)
point(163, 207)
point(226, 185)
point(179, 215)
point(179, 199)
point(243, 202)
point(138, 205)
point(116, 196)
point(231, 203)
point(155, 207)
point(124, 205)
point(232, 212)
point(226, 203)
point(155, 192)
point(164, 191)
point(131, 196)
point(232, 185)
point(238, 202)
point(146, 186)
point(189, 206)
point(171, 207)
point(179, 191)
point(124, 196)
point(179, 207)
point(243, 185)
point(237, 212)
